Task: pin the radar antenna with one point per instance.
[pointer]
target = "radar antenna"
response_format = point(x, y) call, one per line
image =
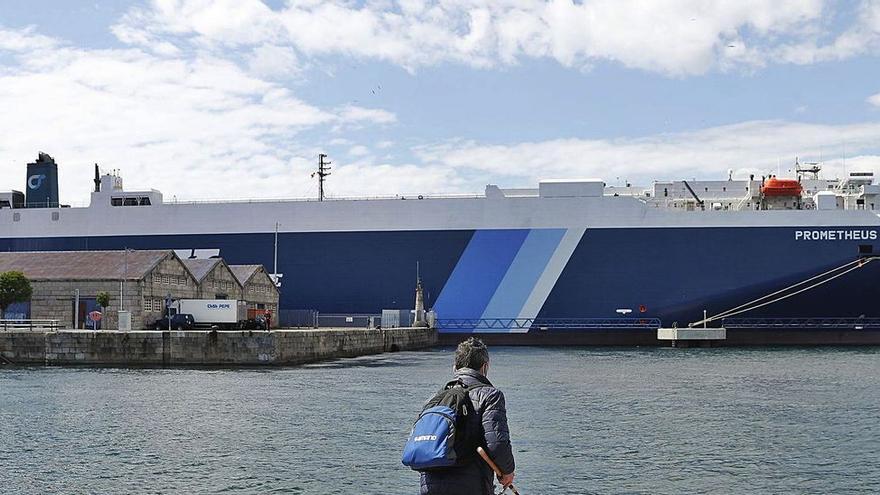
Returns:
point(323, 171)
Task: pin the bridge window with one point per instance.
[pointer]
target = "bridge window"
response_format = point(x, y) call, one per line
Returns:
point(131, 201)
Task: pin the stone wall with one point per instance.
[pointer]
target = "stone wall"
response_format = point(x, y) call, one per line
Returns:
point(203, 348)
point(169, 276)
point(260, 293)
point(54, 299)
point(220, 281)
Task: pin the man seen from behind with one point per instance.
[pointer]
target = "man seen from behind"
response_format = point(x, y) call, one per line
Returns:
point(474, 476)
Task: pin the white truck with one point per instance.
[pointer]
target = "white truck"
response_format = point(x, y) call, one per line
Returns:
point(215, 313)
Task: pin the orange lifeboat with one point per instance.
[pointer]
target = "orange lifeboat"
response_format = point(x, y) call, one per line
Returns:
point(781, 187)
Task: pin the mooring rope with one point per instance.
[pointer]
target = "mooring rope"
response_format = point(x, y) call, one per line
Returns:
point(780, 291)
point(743, 308)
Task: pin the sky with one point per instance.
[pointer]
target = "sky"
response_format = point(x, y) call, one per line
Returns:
point(216, 99)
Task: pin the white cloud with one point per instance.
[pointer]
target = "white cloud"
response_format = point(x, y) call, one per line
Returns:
point(181, 111)
point(274, 61)
point(758, 147)
point(860, 38)
point(192, 125)
point(874, 100)
point(673, 37)
point(375, 115)
point(358, 150)
point(23, 40)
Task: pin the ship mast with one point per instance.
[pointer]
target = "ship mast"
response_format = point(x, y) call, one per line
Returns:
point(812, 168)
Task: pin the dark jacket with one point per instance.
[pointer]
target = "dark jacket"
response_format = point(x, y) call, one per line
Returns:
point(475, 477)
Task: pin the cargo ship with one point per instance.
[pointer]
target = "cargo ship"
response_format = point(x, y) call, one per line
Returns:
point(567, 262)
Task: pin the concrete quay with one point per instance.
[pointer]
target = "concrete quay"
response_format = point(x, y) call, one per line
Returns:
point(204, 348)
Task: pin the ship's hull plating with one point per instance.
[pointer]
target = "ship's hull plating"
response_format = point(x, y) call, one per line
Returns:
point(670, 274)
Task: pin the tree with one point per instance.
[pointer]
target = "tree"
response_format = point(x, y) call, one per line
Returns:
point(14, 288)
point(103, 300)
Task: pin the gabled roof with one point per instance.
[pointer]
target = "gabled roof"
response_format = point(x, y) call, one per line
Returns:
point(243, 273)
point(200, 267)
point(83, 265)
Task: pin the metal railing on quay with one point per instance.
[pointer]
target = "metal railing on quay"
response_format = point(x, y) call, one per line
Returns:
point(546, 323)
point(29, 325)
point(830, 323)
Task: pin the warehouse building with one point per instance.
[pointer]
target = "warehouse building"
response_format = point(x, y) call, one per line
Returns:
point(258, 290)
point(65, 284)
point(215, 279)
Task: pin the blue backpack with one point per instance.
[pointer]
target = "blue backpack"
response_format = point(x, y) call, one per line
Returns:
point(440, 436)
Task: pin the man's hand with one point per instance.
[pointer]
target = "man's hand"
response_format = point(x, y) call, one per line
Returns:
point(506, 480)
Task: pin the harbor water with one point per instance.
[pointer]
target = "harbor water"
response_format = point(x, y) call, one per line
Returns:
point(658, 421)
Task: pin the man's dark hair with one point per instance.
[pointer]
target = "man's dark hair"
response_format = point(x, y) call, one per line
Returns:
point(472, 353)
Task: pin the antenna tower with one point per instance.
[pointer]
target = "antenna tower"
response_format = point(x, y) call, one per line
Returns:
point(323, 171)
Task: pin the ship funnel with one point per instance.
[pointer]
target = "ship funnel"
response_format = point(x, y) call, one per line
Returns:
point(42, 182)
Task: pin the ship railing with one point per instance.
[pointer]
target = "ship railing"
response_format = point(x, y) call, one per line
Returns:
point(546, 323)
point(831, 323)
point(29, 325)
point(414, 197)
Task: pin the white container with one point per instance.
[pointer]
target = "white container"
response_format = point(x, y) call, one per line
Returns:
point(825, 200)
point(220, 311)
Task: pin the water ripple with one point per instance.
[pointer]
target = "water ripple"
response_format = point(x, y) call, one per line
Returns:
point(640, 421)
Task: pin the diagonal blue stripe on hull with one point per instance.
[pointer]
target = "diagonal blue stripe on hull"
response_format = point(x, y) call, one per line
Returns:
point(523, 274)
point(478, 273)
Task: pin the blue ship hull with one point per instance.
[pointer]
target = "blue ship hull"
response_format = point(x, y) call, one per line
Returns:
point(668, 274)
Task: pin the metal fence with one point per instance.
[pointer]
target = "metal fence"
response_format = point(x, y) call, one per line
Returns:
point(348, 320)
point(802, 323)
point(299, 318)
point(29, 325)
point(546, 323)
